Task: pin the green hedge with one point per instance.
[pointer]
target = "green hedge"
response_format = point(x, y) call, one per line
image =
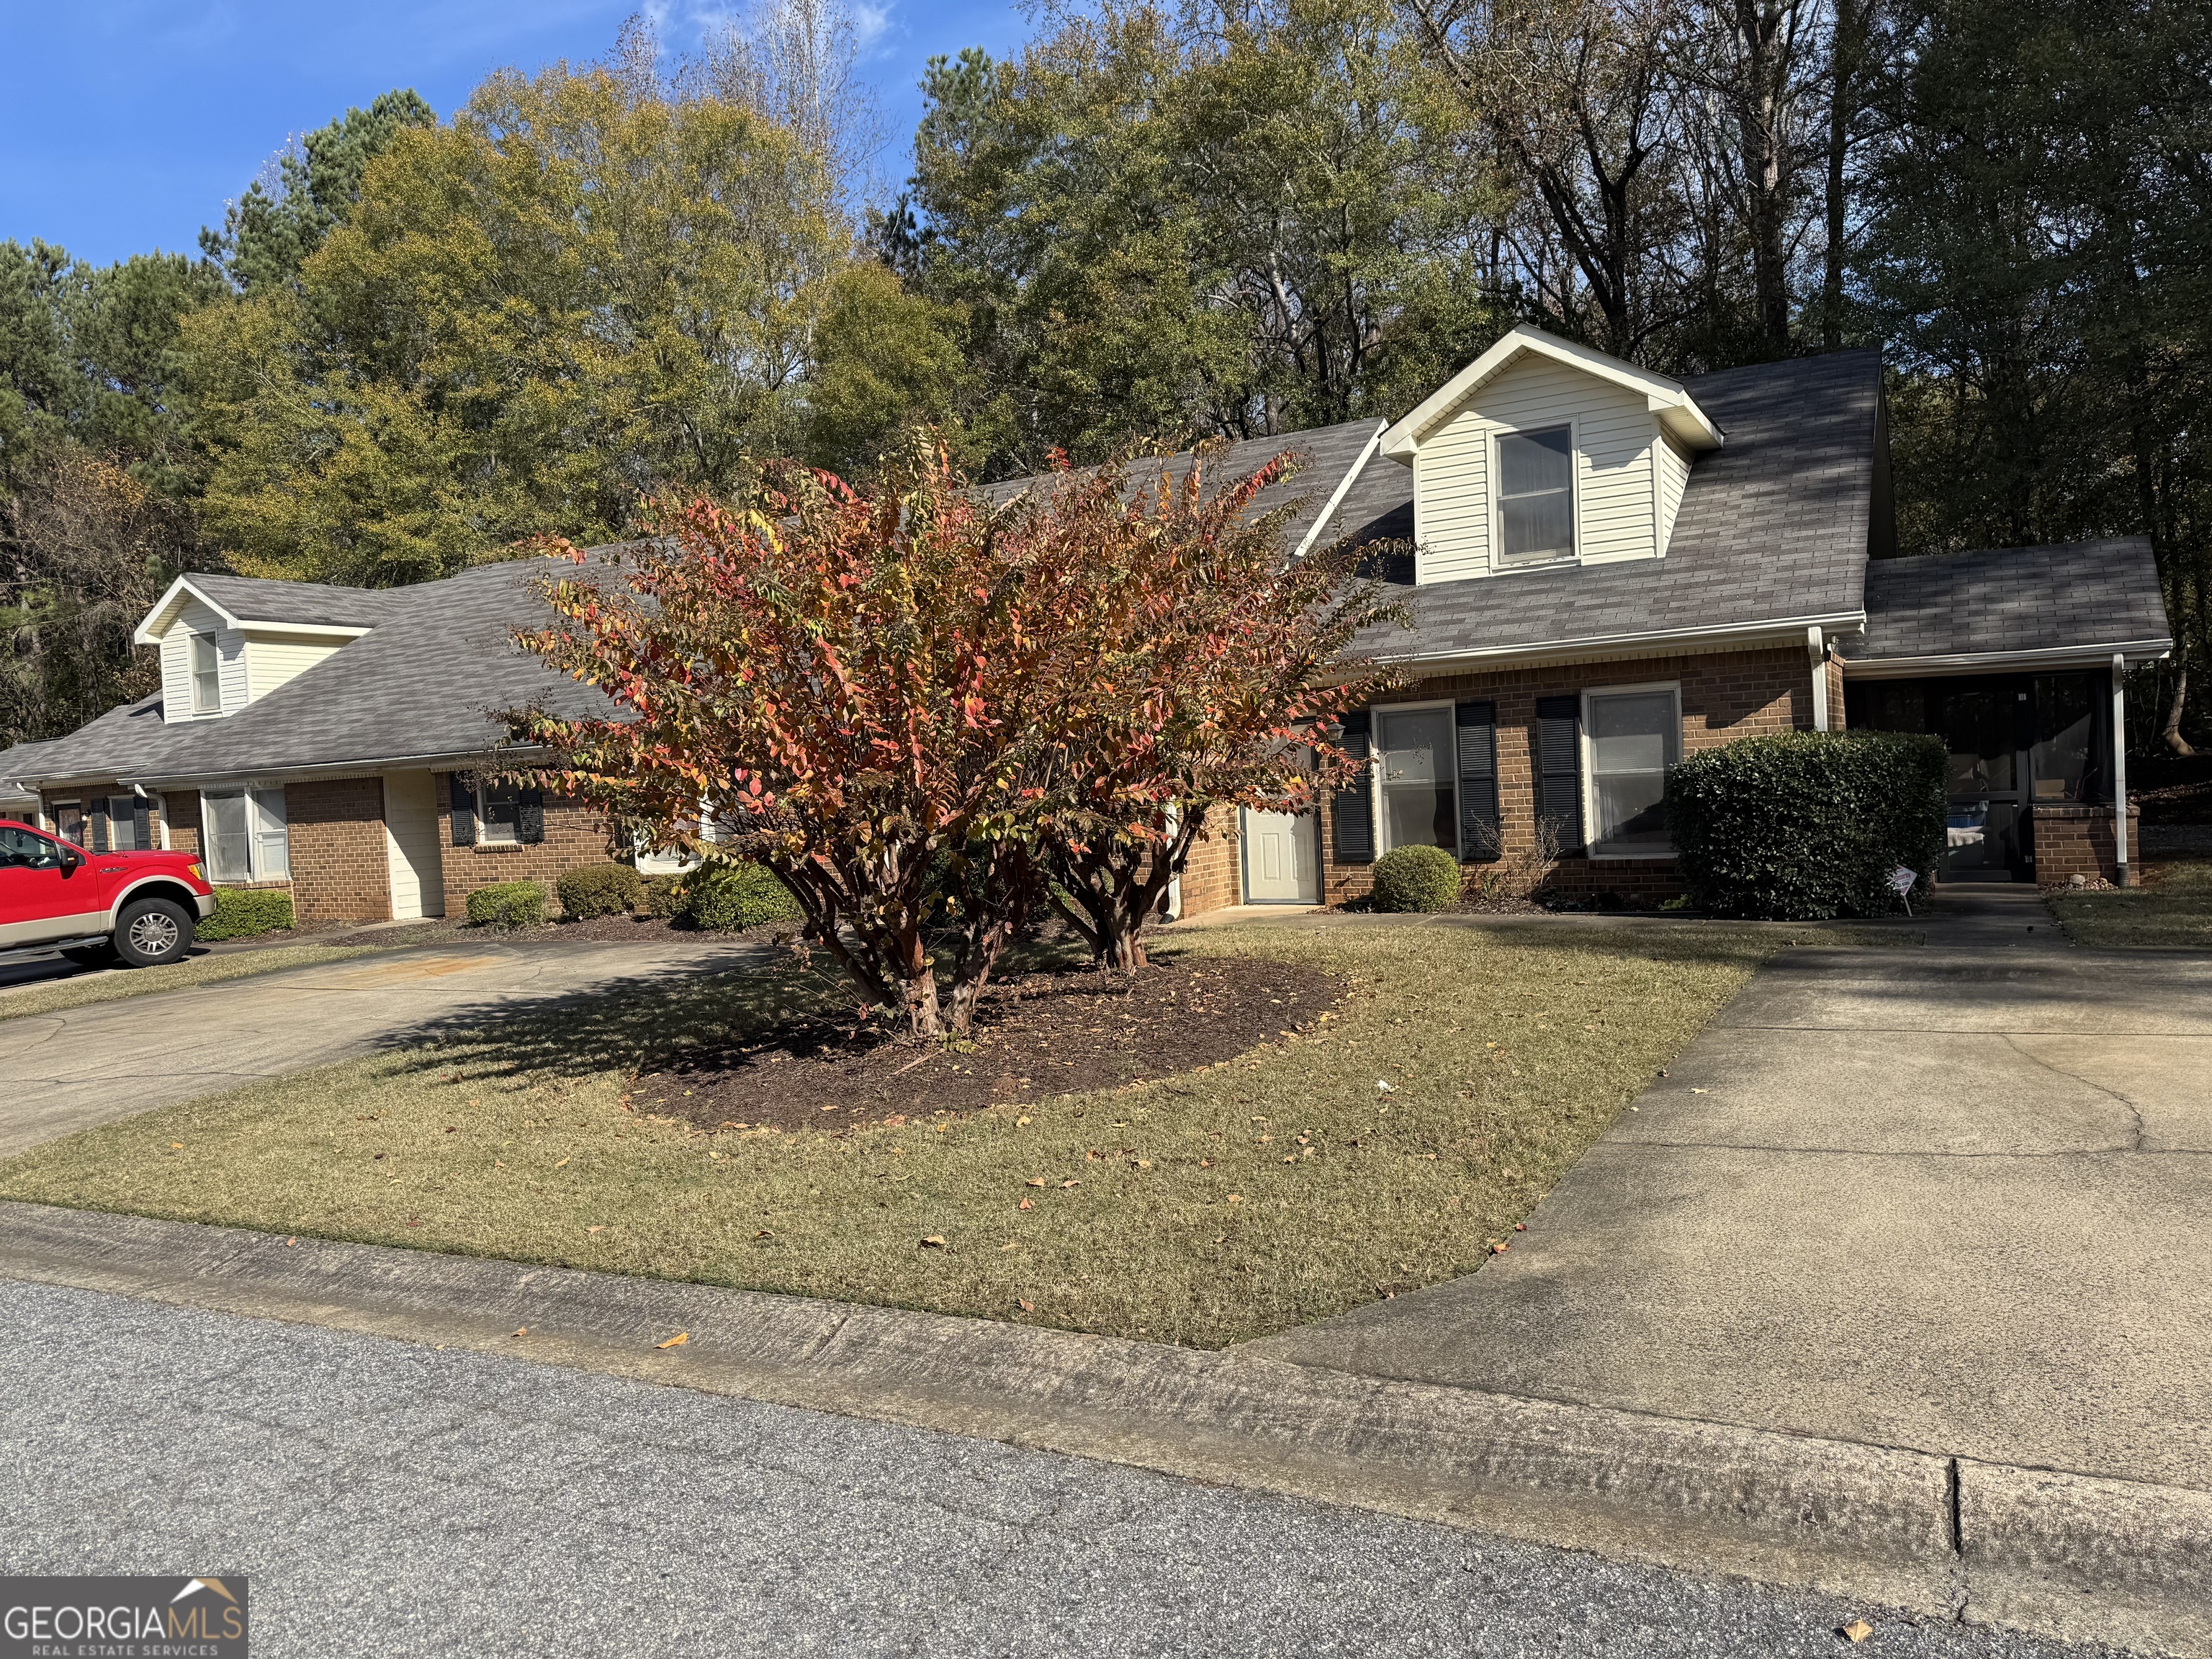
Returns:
point(242, 911)
point(592, 891)
point(725, 897)
point(1417, 878)
point(663, 896)
point(507, 904)
point(1805, 825)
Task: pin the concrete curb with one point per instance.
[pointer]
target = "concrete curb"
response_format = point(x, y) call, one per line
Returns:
point(2064, 1553)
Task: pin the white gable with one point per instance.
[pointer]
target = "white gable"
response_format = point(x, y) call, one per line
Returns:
point(253, 658)
point(1632, 436)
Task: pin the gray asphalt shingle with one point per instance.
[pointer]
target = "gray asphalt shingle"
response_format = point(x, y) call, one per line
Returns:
point(2014, 598)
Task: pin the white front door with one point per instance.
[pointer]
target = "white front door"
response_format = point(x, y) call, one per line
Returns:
point(410, 838)
point(1279, 866)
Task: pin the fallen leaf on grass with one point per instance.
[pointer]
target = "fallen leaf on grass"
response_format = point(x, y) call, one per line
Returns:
point(1037, 1181)
point(1025, 1304)
point(1236, 1198)
point(1026, 1204)
point(522, 1330)
point(601, 1227)
point(1065, 1185)
point(564, 1160)
point(1857, 1630)
point(934, 1242)
point(675, 1342)
point(1009, 1245)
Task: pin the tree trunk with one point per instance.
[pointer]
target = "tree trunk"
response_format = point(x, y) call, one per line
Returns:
point(2171, 730)
point(1764, 30)
point(1844, 57)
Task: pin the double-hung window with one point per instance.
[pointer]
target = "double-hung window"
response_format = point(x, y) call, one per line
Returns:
point(1416, 764)
point(499, 815)
point(207, 674)
point(244, 834)
point(1634, 737)
point(1536, 495)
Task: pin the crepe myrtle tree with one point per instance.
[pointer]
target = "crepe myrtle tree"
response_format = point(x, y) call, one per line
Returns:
point(854, 687)
point(1210, 672)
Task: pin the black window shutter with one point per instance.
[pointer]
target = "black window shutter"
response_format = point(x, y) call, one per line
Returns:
point(1352, 809)
point(142, 825)
point(1560, 768)
point(530, 815)
point(464, 809)
point(99, 831)
point(1479, 839)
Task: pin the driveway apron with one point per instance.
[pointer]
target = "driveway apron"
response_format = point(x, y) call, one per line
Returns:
point(1956, 1198)
point(82, 1066)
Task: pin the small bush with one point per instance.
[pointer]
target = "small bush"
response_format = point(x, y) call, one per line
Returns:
point(592, 891)
point(1801, 826)
point(663, 896)
point(243, 912)
point(507, 904)
point(726, 897)
point(1417, 878)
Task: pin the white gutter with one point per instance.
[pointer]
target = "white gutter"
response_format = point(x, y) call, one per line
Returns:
point(2064, 656)
point(1343, 488)
point(433, 761)
point(2121, 874)
point(1777, 631)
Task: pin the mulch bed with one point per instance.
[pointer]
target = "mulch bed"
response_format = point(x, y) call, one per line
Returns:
point(1033, 1037)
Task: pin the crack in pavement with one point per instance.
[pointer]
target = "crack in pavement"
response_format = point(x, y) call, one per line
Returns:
point(2133, 1111)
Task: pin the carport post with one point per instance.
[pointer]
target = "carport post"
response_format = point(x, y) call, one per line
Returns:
point(2121, 873)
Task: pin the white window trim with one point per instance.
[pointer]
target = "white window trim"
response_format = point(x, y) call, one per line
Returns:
point(1381, 818)
point(1674, 688)
point(483, 819)
point(192, 636)
point(255, 871)
point(1499, 565)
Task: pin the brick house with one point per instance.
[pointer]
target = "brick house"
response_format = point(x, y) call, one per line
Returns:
point(334, 742)
point(1609, 569)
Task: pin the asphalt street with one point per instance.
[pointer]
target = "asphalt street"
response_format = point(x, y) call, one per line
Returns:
point(389, 1498)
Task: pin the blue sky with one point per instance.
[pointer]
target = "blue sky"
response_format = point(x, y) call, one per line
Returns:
point(125, 124)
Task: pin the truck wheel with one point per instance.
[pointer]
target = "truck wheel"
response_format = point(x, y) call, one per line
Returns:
point(151, 931)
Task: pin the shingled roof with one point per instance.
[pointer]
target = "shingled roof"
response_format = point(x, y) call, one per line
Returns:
point(2082, 597)
point(425, 682)
point(1774, 528)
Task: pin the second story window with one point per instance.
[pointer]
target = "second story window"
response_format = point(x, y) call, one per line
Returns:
point(1536, 495)
point(207, 676)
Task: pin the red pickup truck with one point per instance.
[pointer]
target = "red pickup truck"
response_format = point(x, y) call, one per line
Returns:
point(140, 907)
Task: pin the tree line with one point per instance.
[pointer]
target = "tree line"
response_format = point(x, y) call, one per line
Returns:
point(415, 344)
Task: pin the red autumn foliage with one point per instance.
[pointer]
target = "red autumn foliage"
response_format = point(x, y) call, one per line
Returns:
point(905, 701)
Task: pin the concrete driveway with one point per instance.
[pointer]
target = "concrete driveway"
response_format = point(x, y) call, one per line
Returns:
point(70, 1070)
point(1956, 1198)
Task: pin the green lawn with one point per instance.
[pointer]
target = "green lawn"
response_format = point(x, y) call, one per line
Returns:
point(2174, 908)
point(209, 969)
point(1267, 1191)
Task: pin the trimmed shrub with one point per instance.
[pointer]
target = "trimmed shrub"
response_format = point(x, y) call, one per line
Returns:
point(663, 896)
point(507, 904)
point(726, 897)
point(591, 891)
point(243, 912)
point(1801, 826)
point(1417, 878)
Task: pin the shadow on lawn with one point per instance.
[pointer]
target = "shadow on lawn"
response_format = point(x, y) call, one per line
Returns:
point(643, 1021)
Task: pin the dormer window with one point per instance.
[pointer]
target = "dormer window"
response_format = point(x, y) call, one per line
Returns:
point(1536, 495)
point(207, 676)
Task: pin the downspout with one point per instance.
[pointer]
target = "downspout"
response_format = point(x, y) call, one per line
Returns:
point(2121, 873)
point(1816, 647)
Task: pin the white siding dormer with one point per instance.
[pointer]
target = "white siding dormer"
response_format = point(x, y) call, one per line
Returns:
point(1631, 435)
point(252, 658)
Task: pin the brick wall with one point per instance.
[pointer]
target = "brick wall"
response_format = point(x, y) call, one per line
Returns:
point(574, 835)
point(1724, 696)
point(341, 870)
point(1213, 877)
point(181, 810)
point(2077, 840)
